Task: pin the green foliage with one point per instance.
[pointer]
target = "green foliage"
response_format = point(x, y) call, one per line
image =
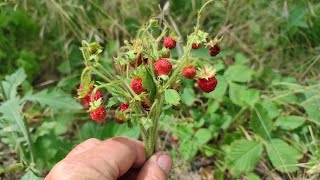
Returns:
point(244, 155)
point(283, 157)
point(172, 97)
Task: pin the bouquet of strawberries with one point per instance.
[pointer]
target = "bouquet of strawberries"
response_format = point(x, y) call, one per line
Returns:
point(146, 76)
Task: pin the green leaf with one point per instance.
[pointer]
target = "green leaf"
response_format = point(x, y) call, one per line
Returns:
point(253, 176)
point(149, 84)
point(238, 73)
point(202, 136)
point(241, 59)
point(261, 123)
point(10, 111)
point(112, 101)
point(188, 96)
point(56, 100)
point(146, 123)
point(30, 176)
point(312, 104)
point(271, 108)
point(290, 122)
point(282, 156)
point(236, 93)
point(188, 149)
point(172, 97)
point(244, 155)
point(11, 83)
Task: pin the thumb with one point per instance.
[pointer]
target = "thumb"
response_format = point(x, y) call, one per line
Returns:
point(157, 167)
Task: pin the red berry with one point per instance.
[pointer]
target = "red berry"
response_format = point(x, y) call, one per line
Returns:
point(145, 106)
point(138, 61)
point(195, 46)
point(119, 121)
point(168, 42)
point(162, 67)
point(136, 85)
point(189, 72)
point(207, 85)
point(98, 114)
point(124, 106)
point(214, 50)
point(175, 139)
point(87, 99)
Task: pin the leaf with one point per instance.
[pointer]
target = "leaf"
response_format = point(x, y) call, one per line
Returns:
point(30, 176)
point(253, 176)
point(238, 73)
point(236, 92)
point(312, 104)
point(271, 108)
point(188, 149)
point(10, 111)
point(112, 101)
point(261, 123)
point(241, 59)
point(244, 155)
point(149, 84)
point(11, 83)
point(202, 136)
point(188, 96)
point(172, 97)
point(282, 156)
point(290, 122)
point(56, 100)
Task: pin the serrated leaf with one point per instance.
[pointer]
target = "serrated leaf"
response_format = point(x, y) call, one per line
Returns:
point(290, 122)
point(271, 108)
point(282, 156)
point(112, 101)
point(172, 97)
point(236, 92)
point(10, 111)
point(146, 123)
point(149, 84)
point(241, 59)
point(188, 96)
point(56, 100)
point(11, 82)
point(261, 123)
point(244, 155)
point(202, 136)
point(239, 73)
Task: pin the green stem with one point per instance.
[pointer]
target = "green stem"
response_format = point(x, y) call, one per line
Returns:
point(29, 140)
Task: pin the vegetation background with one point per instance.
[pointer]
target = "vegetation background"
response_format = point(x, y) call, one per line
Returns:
point(260, 123)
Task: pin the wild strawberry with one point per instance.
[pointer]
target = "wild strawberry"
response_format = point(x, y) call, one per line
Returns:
point(124, 106)
point(145, 106)
point(170, 43)
point(136, 85)
point(195, 46)
point(214, 46)
point(189, 72)
point(162, 67)
point(207, 81)
point(119, 121)
point(214, 50)
point(98, 114)
point(87, 99)
point(175, 139)
point(207, 85)
point(138, 61)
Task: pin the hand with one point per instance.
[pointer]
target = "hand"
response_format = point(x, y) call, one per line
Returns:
point(118, 157)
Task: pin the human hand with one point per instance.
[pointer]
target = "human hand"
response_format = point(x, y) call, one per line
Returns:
point(115, 158)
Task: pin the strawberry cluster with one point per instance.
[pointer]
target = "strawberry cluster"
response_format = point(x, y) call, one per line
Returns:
point(146, 72)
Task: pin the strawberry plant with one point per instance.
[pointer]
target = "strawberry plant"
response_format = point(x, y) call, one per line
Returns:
point(147, 75)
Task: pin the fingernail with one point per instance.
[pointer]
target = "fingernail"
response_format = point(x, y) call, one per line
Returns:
point(165, 162)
